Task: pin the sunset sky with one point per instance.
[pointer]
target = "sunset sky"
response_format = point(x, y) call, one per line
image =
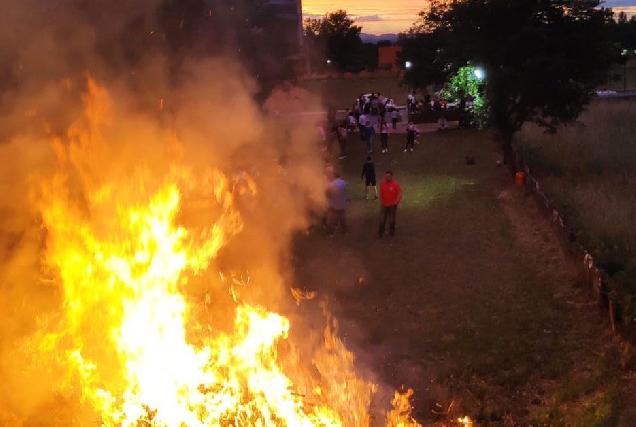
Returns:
point(393, 16)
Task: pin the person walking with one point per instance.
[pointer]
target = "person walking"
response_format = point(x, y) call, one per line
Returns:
point(369, 136)
point(390, 197)
point(368, 174)
point(411, 132)
point(384, 135)
point(337, 200)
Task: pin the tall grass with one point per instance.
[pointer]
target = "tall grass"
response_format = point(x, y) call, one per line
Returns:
point(589, 170)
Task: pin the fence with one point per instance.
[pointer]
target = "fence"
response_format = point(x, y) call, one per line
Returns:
point(613, 299)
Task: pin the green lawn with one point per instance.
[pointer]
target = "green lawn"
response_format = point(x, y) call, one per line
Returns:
point(474, 303)
point(341, 93)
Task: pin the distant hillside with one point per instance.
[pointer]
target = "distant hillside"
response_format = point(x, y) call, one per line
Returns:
point(372, 38)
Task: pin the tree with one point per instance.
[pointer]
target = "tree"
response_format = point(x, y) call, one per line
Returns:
point(334, 41)
point(467, 83)
point(541, 58)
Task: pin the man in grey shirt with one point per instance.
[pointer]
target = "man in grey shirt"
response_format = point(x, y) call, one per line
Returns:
point(337, 199)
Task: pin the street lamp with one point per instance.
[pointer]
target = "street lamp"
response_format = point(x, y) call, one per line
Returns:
point(479, 73)
point(408, 65)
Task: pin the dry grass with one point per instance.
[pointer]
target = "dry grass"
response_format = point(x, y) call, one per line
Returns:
point(589, 169)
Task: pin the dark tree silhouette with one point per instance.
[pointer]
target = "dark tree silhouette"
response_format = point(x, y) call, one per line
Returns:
point(541, 58)
point(334, 42)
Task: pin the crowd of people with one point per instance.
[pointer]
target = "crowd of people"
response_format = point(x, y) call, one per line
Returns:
point(439, 108)
point(370, 116)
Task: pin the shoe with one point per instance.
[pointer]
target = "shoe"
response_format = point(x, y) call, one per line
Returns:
point(342, 157)
point(366, 197)
point(411, 150)
point(376, 197)
point(405, 151)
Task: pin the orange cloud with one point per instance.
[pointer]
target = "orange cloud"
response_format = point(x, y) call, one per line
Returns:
point(375, 16)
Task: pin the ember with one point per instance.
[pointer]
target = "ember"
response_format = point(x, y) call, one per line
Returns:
point(149, 332)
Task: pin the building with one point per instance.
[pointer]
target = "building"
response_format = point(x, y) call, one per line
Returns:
point(388, 58)
point(291, 14)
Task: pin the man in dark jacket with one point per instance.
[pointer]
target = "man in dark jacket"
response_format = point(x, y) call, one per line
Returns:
point(368, 174)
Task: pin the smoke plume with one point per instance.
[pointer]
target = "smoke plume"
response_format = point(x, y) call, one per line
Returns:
point(95, 92)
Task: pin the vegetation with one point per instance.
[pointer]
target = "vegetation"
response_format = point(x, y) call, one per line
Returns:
point(467, 83)
point(333, 42)
point(474, 304)
point(341, 93)
point(542, 58)
point(589, 169)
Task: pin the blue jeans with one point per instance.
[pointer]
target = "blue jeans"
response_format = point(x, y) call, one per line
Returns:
point(370, 143)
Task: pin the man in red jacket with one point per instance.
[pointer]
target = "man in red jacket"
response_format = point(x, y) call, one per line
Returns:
point(390, 196)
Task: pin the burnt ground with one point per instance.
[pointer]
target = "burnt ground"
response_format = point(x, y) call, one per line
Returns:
point(474, 303)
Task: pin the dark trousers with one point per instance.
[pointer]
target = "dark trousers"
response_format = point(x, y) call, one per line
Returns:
point(394, 123)
point(336, 218)
point(384, 139)
point(387, 212)
point(410, 142)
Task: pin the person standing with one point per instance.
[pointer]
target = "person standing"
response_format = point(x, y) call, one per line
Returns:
point(390, 197)
point(362, 121)
point(369, 136)
point(337, 199)
point(368, 174)
point(394, 117)
point(384, 135)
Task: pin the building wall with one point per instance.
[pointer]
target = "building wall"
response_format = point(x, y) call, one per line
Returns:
point(291, 11)
point(388, 57)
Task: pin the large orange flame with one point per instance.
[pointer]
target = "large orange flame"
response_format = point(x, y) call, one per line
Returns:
point(139, 354)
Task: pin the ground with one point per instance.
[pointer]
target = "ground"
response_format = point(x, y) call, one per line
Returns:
point(474, 303)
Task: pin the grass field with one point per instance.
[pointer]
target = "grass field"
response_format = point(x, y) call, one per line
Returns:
point(474, 303)
point(341, 93)
point(589, 169)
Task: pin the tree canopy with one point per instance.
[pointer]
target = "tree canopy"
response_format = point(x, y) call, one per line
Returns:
point(541, 58)
point(333, 42)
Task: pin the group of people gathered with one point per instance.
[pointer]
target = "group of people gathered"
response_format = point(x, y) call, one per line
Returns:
point(369, 116)
point(390, 195)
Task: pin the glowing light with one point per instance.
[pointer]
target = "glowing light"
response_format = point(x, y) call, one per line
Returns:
point(140, 349)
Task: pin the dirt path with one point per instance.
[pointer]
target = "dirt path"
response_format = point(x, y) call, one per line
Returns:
point(474, 303)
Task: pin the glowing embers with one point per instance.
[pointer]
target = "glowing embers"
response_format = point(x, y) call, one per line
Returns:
point(126, 238)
